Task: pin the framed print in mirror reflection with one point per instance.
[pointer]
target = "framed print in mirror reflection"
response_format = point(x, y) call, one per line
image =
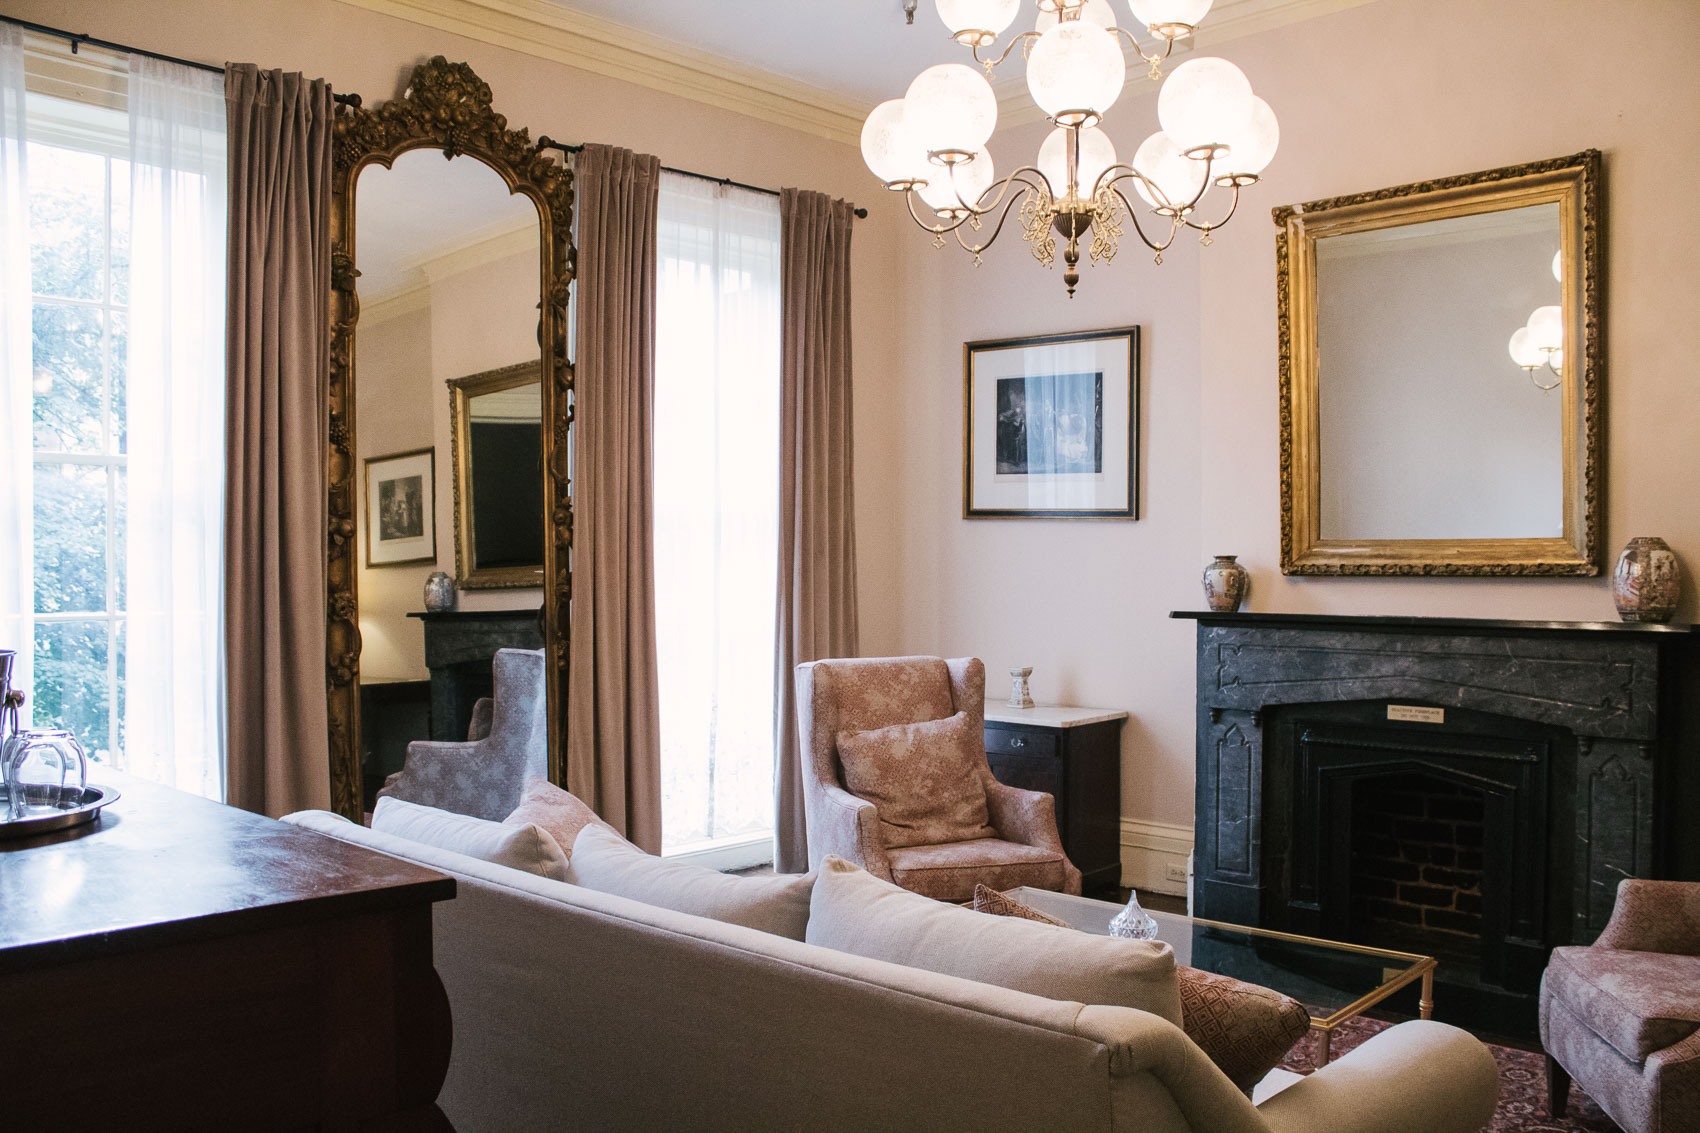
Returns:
point(1051, 426)
point(401, 504)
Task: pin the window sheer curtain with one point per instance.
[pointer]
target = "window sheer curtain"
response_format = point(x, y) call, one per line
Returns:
point(174, 649)
point(716, 506)
point(16, 515)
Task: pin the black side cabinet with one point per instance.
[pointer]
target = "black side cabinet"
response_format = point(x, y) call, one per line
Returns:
point(1078, 764)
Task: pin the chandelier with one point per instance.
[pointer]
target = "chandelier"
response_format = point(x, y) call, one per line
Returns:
point(1539, 343)
point(931, 143)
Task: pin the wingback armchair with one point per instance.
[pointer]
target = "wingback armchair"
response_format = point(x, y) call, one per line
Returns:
point(838, 698)
point(506, 747)
point(1622, 1016)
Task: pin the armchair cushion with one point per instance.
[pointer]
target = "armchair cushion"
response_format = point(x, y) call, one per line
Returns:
point(923, 778)
point(607, 863)
point(528, 848)
point(853, 911)
point(1639, 1002)
point(950, 870)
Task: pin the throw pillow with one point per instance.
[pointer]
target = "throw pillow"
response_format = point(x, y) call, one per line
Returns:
point(989, 900)
point(527, 848)
point(924, 779)
point(607, 863)
point(1246, 1029)
point(854, 911)
point(562, 813)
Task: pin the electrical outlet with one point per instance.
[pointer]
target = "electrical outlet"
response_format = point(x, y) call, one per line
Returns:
point(1175, 873)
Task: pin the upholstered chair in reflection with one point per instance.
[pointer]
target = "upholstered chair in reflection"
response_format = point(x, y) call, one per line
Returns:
point(1622, 1016)
point(506, 747)
point(896, 780)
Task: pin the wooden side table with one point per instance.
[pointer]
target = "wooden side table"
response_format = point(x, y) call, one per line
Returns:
point(1073, 754)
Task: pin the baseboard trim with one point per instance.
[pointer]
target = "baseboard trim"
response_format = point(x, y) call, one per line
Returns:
point(1150, 850)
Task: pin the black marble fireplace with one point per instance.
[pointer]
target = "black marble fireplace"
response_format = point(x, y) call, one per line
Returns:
point(1467, 789)
point(459, 646)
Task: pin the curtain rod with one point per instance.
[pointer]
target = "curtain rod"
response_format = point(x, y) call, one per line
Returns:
point(546, 142)
point(77, 39)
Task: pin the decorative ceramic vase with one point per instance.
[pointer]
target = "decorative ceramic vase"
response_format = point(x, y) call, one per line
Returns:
point(1134, 923)
point(1647, 581)
point(1225, 584)
point(1020, 696)
point(440, 593)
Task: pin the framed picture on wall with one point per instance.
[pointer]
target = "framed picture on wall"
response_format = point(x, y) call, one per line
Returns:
point(1051, 426)
point(401, 508)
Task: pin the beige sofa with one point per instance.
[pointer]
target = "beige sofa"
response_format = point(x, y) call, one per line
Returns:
point(579, 1010)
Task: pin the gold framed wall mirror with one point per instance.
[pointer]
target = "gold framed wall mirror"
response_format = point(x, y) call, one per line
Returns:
point(451, 255)
point(1441, 376)
point(498, 480)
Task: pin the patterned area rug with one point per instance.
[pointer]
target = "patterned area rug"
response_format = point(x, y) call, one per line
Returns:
point(1522, 1084)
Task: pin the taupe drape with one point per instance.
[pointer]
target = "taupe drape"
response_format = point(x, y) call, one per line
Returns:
point(278, 363)
point(817, 505)
point(613, 704)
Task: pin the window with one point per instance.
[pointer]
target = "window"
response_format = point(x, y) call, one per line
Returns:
point(716, 515)
point(112, 208)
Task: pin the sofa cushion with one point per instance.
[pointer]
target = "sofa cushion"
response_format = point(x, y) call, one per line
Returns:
point(607, 863)
point(528, 848)
point(1639, 1002)
point(562, 813)
point(1245, 1028)
point(854, 911)
point(989, 900)
point(924, 779)
point(949, 872)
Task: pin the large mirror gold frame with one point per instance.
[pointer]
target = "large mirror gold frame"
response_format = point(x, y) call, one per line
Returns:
point(447, 108)
point(1416, 437)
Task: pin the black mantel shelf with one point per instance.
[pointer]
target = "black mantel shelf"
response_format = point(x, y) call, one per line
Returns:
point(1395, 624)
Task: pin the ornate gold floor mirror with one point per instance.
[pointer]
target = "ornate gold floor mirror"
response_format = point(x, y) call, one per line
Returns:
point(451, 209)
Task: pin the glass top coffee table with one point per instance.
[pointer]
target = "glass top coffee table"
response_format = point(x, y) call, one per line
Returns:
point(1334, 981)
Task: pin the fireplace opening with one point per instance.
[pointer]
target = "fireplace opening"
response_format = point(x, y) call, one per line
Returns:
point(1417, 866)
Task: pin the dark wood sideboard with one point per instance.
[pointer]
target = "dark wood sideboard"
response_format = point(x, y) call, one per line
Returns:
point(183, 965)
point(1075, 755)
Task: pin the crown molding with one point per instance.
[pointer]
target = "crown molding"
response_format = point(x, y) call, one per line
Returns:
point(422, 272)
point(562, 35)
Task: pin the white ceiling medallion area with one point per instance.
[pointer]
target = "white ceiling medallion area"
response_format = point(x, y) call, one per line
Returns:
point(862, 53)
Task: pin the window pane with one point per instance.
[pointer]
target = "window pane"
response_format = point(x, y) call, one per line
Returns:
point(67, 222)
point(117, 361)
point(70, 682)
point(68, 378)
point(120, 528)
point(70, 538)
point(120, 231)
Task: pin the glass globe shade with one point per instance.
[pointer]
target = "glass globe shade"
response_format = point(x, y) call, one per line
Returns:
point(978, 15)
point(1097, 153)
point(1204, 102)
point(950, 107)
point(1253, 147)
point(1555, 359)
point(1178, 177)
point(1558, 265)
point(1095, 12)
point(1150, 13)
point(1546, 327)
point(1076, 67)
point(888, 147)
point(1524, 352)
point(964, 182)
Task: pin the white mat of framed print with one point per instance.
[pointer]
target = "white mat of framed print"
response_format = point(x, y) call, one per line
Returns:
point(1052, 426)
point(401, 508)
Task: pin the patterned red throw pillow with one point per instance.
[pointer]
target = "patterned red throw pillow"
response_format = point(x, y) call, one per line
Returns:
point(924, 779)
point(989, 900)
point(1246, 1029)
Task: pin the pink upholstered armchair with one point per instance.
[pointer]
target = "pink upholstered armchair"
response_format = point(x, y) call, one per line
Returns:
point(842, 697)
point(1622, 1016)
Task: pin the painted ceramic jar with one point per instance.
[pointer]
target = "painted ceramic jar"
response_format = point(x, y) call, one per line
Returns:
point(1225, 584)
point(1647, 581)
point(439, 593)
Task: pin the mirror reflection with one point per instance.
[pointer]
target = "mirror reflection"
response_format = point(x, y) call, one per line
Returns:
point(498, 470)
point(448, 287)
point(1429, 428)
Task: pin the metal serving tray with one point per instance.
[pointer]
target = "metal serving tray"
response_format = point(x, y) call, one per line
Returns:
point(79, 807)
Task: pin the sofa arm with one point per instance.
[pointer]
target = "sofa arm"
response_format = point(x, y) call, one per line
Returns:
point(434, 774)
point(1654, 916)
point(1417, 1077)
point(848, 826)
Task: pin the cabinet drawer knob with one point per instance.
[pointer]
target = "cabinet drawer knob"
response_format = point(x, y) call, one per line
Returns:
point(1017, 741)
